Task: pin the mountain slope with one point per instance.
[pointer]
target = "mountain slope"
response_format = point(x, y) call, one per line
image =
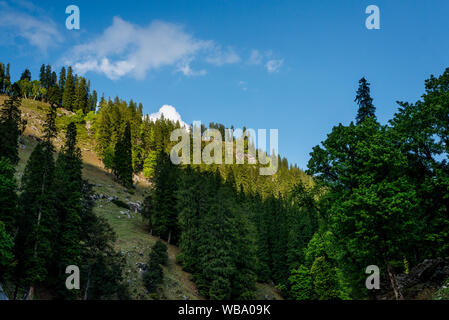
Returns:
point(133, 238)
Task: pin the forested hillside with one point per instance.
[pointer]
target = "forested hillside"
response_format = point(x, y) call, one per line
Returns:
point(92, 184)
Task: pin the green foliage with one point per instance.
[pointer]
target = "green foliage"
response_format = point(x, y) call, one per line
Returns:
point(10, 128)
point(122, 163)
point(301, 284)
point(365, 102)
point(153, 276)
point(6, 254)
point(68, 185)
point(159, 253)
point(324, 279)
point(8, 195)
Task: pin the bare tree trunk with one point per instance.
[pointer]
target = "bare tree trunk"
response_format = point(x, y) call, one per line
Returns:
point(88, 283)
point(169, 237)
point(394, 285)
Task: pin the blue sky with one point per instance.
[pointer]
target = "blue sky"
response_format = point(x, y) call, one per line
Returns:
point(287, 65)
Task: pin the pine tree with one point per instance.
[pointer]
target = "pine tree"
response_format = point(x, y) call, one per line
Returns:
point(364, 101)
point(69, 88)
point(48, 80)
point(101, 267)
point(164, 219)
point(26, 75)
point(122, 167)
point(2, 78)
point(6, 252)
point(62, 79)
point(8, 196)
point(68, 191)
point(10, 126)
point(37, 221)
point(8, 85)
point(80, 100)
point(42, 76)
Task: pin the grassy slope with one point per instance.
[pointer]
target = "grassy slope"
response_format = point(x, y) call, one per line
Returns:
point(132, 237)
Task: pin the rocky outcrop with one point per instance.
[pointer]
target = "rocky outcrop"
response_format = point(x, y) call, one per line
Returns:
point(135, 207)
point(427, 276)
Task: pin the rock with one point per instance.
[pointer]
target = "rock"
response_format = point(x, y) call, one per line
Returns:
point(135, 207)
point(431, 273)
point(142, 266)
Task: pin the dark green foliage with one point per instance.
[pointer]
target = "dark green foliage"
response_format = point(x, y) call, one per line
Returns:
point(10, 127)
point(26, 75)
point(153, 276)
point(122, 164)
point(8, 196)
point(159, 253)
point(364, 101)
point(69, 91)
point(54, 96)
point(164, 215)
point(101, 267)
point(68, 191)
point(6, 252)
point(37, 219)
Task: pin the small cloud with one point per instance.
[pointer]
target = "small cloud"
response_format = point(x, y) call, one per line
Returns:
point(274, 65)
point(169, 113)
point(243, 85)
point(184, 68)
point(220, 57)
point(40, 31)
point(255, 58)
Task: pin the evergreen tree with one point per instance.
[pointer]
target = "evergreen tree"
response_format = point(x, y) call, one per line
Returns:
point(364, 101)
point(101, 267)
point(37, 221)
point(2, 78)
point(8, 196)
point(6, 254)
point(42, 76)
point(62, 79)
point(122, 167)
point(68, 191)
point(10, 126)
point(26, 75)
point(164, 218)
point(69, 88)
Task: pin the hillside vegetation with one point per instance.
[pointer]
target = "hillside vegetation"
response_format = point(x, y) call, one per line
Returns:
point(133, 237)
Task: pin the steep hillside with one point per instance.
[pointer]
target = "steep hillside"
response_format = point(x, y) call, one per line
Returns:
point(133, 239)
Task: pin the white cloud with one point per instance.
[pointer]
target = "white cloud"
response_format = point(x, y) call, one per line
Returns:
point(274, 65)
point(243, 85)
point(40, 31)
point(255, 58)
point(220, 57)
point(128, 49)
point(184, 67)
point(125, 48)
point(170, 113)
